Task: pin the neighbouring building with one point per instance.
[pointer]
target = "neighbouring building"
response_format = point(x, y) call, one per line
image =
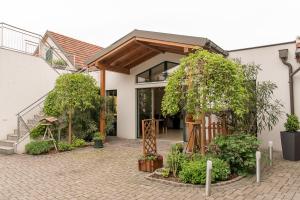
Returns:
point(29, 65)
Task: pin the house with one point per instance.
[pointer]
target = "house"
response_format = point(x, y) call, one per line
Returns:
point(136, 68)
point(65, 52)
point(29, 65)
point(137, 65)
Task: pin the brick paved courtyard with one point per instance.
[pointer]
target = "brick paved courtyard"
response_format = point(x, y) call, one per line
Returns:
point(111, 173)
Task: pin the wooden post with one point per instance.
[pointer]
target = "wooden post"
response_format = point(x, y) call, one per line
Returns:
point(209, 129)
point(214, 129)
point(203, 135)
point(102, 93)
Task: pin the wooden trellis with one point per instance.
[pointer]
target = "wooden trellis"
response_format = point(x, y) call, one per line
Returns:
point(201, 134)
point(149, 129)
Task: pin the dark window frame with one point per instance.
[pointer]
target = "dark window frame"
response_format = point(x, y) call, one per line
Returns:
point(149, 72)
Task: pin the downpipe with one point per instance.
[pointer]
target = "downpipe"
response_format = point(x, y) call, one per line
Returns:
point(291, 83)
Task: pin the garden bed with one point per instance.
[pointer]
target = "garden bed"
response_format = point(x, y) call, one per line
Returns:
point(174, 181)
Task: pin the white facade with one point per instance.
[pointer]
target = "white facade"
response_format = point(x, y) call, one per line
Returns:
point(126, 87)
point(274, 70)
point(23, 80)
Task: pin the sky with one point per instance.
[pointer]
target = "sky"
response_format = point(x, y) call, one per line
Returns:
point(232, 24)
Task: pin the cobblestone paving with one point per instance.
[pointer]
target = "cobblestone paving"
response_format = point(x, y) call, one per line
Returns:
point(111, 173)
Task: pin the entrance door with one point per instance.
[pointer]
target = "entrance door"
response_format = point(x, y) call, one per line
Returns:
point(144, 107)
point(111, 107)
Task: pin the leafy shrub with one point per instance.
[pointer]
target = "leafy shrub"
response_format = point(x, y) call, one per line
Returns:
point(165, 172)
point(194, 171)
point(175, 159)
point(78, 143)
point(38, 147)
point(238, 150)
point(98, 136)
point(37, 131)
point(64, 146)
point(292, 123)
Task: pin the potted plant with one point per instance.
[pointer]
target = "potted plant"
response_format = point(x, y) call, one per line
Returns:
point(150, 163)
point(98, 140)
point(290, 139)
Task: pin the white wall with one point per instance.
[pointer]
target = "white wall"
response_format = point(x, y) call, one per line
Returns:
point(274, 70)
point(23, 79)
point(126, 90)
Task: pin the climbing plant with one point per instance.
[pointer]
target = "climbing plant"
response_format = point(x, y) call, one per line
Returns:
point(206, 83)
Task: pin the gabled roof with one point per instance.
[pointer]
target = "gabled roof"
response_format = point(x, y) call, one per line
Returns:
point(197, 41)
point(147, 43)
point(72, 47)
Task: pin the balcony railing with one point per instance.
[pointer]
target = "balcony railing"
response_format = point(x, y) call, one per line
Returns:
point(23, 41)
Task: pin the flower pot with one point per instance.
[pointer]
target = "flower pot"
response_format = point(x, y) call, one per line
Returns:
point(98, 144)
point(290, 143)
point(150, 165)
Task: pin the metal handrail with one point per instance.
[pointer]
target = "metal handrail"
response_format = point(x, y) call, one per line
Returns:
point(32, 106)
point(19, 113)
point(38, 40)
point(19, 44)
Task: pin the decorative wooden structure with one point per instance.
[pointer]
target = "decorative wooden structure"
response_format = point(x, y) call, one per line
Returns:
point(201, 133)
point(150, 131)
point(47, 122)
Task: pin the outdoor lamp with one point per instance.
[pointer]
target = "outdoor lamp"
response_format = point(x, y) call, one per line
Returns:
point(297, 54)
point(283, 54)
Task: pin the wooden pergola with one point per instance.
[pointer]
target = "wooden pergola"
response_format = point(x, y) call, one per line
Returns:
point(139, 46)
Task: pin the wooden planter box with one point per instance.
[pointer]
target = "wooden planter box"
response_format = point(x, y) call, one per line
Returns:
point(150, 165)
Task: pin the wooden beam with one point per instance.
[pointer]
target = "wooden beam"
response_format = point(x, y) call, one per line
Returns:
point(141, 56)
point(114, 50)
point(149, 47)
point(102, 93)
point(122, 52)
point(142, 59)
point(126, 55)
point(167, 43)
point(103, 65)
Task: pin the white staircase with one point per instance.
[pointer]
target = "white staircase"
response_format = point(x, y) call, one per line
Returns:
point(7, 146)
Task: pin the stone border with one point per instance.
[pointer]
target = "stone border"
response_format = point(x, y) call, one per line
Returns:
point(177, 184)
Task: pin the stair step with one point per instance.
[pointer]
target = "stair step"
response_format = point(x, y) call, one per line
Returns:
point(7, 143)
point(12, 137)
point(22, 131)
point(6, 150)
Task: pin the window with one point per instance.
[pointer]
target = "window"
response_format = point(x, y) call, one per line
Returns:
point(49, 55)
point(157, 73)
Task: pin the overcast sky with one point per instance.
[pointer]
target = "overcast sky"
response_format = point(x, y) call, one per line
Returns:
point(229, 23)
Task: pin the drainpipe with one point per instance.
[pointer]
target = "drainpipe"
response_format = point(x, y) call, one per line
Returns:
point(291, 81)
point(283, 54)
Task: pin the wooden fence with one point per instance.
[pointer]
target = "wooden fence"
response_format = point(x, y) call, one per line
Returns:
point(202, 133)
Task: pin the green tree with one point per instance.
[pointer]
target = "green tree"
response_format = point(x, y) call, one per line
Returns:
point(264, 108)
point(206, 83)
point(72, 92)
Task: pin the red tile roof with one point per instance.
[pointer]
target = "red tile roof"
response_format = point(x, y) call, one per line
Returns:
point(70, 46)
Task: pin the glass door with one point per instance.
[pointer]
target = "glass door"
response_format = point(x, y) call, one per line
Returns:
point(144, 107)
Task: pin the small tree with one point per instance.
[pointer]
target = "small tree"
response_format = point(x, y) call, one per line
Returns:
point(264, 108)
point(206, 83)
point(72, 92)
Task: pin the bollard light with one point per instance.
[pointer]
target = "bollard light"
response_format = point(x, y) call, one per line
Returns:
point(258, 157)
point(208, 178)
point(271, 152)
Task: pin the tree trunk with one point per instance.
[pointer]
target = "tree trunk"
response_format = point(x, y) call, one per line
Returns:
point(70, 128)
